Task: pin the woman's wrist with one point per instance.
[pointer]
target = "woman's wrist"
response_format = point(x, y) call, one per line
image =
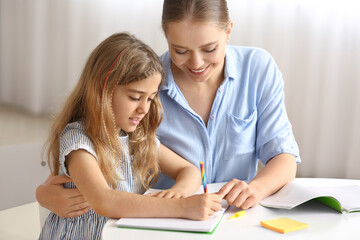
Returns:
point(39, 193)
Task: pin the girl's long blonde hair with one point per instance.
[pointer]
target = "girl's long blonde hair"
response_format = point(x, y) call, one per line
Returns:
point(120, 59)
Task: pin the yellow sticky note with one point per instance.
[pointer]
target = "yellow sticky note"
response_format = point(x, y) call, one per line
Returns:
point(238, 214)
point(284, 225)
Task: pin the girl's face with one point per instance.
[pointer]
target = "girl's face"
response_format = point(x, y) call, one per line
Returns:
point(131, 102)
point(197, 49)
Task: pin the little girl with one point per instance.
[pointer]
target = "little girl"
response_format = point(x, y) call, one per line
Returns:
point(104, 139)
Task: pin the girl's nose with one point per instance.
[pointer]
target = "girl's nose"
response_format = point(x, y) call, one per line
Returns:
point(144, 106)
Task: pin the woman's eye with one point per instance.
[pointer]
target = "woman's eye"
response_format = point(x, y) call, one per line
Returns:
point(150, 99)
point(210, 50)
point(180, 52)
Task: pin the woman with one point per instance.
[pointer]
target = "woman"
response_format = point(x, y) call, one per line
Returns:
point(223, 105)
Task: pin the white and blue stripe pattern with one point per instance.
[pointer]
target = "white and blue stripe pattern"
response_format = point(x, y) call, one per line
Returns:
point(89, 225)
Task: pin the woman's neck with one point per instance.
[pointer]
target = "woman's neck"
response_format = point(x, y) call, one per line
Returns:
point(199, 95)
point(185, 83)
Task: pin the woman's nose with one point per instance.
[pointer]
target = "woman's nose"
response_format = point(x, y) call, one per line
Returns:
point(196, 60)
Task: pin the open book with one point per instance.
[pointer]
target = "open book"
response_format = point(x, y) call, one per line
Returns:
point(178, 224)
point(344, 198)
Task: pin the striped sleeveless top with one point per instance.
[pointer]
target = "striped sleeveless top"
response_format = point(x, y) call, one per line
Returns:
point(88, 225)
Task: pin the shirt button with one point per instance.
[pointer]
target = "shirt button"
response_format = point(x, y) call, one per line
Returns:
point(212, 116)
point(221, 90)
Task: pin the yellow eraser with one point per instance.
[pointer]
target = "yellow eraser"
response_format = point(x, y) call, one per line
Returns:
point(238, 214)
point(284, 225)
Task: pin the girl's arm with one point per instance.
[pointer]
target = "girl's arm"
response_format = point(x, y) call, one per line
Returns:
point(87, 176)
point(70, 203)
point(278, 171)
point(186, 175)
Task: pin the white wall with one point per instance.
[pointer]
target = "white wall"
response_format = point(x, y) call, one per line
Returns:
point(316, 44)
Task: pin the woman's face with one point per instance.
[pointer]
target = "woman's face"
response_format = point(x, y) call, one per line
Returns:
point(197, 49)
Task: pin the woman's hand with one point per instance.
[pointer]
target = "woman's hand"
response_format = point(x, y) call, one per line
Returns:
point(278, 171)
point(240, 194)
point(63, 202)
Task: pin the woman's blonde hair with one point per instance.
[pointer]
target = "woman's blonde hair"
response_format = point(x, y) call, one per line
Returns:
point(208, 11)
point(118, 60)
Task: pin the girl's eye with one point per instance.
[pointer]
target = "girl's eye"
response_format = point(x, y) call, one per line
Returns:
point(150, 99)
point(134, 99)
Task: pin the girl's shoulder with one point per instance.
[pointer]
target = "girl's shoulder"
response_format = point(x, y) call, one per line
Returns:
point(74, 133)
point(72, 138)
point(77, 126)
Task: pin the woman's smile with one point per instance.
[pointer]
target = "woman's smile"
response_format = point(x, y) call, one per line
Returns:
point(199, 71)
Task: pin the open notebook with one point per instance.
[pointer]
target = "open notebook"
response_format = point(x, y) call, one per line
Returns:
point(178, 224)
point(344, 198)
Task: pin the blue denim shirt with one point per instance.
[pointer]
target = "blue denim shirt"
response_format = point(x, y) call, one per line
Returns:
point(247, 123)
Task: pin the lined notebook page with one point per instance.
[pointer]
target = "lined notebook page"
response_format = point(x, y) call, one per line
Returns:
point(178, 224)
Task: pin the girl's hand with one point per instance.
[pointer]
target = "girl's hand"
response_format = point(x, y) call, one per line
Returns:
point(169, 193)
point(61, 201)
point(240, 194)
point(200, 207)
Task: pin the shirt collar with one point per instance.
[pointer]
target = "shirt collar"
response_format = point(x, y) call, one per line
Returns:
point(169, 79)
point(231, 71)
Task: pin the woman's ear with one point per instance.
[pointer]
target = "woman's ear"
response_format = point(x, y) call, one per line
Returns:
point(229, 29)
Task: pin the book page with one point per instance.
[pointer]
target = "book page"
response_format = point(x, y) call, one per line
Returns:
point(174, 224)
point(294, 194)
point(347, 195)
point(290, 196)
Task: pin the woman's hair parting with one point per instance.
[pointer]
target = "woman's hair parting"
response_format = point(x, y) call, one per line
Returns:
point(118, 60)
point(208, 11)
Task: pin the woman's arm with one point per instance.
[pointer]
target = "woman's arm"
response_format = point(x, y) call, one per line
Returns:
point(87, 176)
point(278, 171)
point(64, 202)
point(186, 175)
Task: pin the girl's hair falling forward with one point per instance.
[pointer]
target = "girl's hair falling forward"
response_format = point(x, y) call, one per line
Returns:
point(118, 60)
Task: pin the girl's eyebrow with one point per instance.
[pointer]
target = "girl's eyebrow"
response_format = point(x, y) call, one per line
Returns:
point(139, 91)
point(205, 45)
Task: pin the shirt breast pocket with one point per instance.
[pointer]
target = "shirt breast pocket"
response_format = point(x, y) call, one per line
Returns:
point(240, 134)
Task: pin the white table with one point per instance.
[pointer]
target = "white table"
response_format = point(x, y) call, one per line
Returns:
point(20, 223)
point(324, 222)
